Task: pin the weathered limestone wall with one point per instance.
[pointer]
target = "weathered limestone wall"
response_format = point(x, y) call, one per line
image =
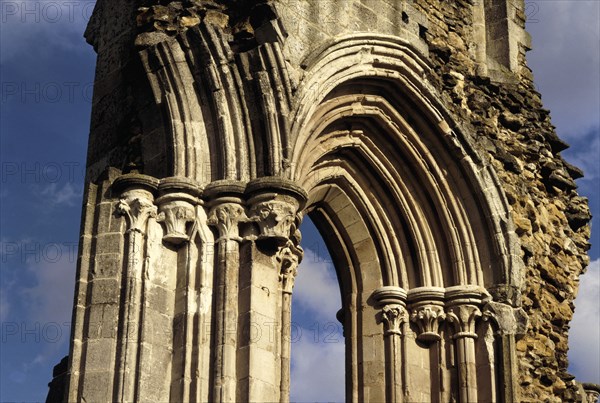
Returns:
point(476, 56)
point(513, 129)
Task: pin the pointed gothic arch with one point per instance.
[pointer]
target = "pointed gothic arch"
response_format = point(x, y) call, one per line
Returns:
point(408, 209)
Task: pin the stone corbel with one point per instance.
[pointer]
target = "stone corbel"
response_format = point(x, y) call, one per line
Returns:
point(177, 202)
point(289, 257)
point(392, 301)
point(136, 202)
point(507, 320)
point(427, 312)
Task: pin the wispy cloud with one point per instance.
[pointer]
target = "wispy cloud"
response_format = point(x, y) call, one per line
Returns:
point(55, 195)
point(584, 337)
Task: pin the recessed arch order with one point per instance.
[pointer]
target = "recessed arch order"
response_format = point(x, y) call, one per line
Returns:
point(411, 213)
point(369, 127)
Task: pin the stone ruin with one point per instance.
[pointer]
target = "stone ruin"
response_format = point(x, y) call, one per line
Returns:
point(409, 130)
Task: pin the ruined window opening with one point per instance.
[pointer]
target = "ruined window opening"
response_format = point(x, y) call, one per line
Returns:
point(318, 348)
point(496, 32)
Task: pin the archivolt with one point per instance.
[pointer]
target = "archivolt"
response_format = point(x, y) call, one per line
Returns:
point(367, 119)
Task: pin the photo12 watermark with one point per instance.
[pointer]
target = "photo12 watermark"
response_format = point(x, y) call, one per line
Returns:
point(49, 12)
point(54, 332)
point(53, 92)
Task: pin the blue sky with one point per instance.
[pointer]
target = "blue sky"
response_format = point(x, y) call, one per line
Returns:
point(46, 74)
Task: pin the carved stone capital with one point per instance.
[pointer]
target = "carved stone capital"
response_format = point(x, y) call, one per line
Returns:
point(275, 218)
point(464, 318)
point(463, 309)
point(177, 202)
point(176, 215)
point(226, 217)
point(427, 312)
point(393, 316)
point(226, 211)
point(289, 257)
point(136, 203)
point(428, 319)
point(136, 207)
point(274, 204)
point(392, 301)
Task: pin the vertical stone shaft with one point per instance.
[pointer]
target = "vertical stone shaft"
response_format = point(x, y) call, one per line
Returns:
point(226, 215)
point(289, 257)
point(467, 378)
point(393, 313)
point(137, 206)
point(286, 347)
point(463, 311)
point(227, 312)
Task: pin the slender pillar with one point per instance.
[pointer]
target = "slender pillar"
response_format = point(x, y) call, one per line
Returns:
point(289, 256)
point(427, 313)
point(462, 311)
point(226, 212)
point(137, 206)
point(392, 301)
point(178, 212)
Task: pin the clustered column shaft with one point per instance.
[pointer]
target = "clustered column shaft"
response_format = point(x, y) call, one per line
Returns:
point(393, 313)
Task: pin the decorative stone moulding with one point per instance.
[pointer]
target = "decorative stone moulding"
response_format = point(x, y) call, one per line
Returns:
point(177, 201)
point(426, 306)
point(463, 305)
point(136, 202)
point(392, 301)
point(274, 204)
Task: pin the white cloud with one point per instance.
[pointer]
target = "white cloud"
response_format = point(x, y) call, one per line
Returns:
point(584, 336)
point(566, 62)
point(316, 289)
point(66, 195)
point(318, 348)
point(317, 370)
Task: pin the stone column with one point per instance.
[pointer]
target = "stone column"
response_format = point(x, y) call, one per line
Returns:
point(427, 313)
point(179, 198)
point(289, 257)
point(462, 311)
point(392, 301)
point(137, 206)
point(266, 285)
point(226, 212)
